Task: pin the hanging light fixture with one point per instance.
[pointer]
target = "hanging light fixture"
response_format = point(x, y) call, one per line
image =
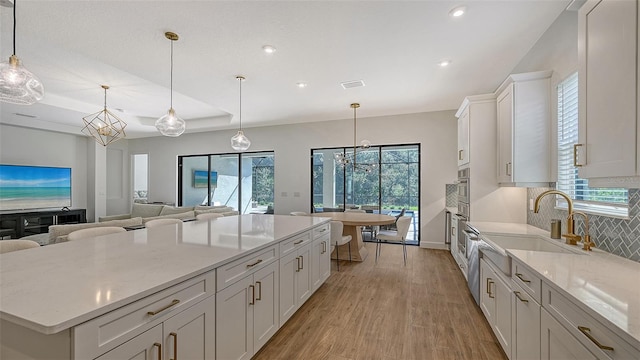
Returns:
point(239, 142)
point(170, 124)
point(104, 126)
point(344, 159)
point(17, 84)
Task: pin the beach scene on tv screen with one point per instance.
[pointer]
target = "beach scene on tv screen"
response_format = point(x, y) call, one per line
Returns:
point(34, 187)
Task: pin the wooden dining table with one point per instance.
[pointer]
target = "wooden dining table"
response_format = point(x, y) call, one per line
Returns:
point(353, 221)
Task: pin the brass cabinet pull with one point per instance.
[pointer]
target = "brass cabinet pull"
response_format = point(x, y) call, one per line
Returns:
point(298, 265)
point(508, 169)
point(255, 263)
point(324, 247)
point(575, 155)
point(517, 293)
point(489, 289)
point(302, 261)
point(488, 281)
point(323, 229)
point(587, 332)
point(252, 301)
point(258, 283)
point(298, 242)
point(460, 154)
point(521, 278)
point(173, 303)
point(175, 345)
point(159, 346)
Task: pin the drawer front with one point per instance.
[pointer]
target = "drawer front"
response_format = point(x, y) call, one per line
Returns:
point(294, 242)
point(528, 280)
point(236, 270)
point(321, 230)
point(104, 333)
point(586, 328)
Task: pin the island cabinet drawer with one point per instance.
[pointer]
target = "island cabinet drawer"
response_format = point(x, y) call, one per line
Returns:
point(105, 332)
point(238, 269)
point(527, 279)
point(603, 342)
point(293, 243)
point(321, 230)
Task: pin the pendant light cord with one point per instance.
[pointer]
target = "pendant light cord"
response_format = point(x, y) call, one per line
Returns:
point(14, 27)
point(240, 79)
point(105, 98)
point(171, 75)
point(355, 155)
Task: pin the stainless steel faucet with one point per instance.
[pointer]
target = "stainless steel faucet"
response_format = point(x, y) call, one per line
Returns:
point(570, 237)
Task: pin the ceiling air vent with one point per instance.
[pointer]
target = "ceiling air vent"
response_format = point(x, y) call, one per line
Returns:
point(352, 84)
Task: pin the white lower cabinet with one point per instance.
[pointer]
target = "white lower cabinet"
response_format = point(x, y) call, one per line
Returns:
point(295, 281)
point(495, 302)
point(247, 314)
point(525, 325)
point(320, 261)
point(557, 343)
point(186, 335)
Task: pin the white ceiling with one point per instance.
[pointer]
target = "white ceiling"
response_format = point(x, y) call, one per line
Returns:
point(393, 46)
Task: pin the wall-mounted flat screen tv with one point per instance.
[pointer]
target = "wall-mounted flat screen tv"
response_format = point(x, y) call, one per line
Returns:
point(34, 187)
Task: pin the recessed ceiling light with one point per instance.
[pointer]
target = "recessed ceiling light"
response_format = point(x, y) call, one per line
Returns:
point(444, 63)
point(269, 49)
point(457, 11)
point(301, 85)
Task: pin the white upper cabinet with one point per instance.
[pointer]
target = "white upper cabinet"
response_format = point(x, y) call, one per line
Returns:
point(607, 152)
point(524, 129)
point(463, 138)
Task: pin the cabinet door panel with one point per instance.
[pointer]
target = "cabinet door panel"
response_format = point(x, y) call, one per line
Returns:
point(234, 322)
point(266, 319)
point(487, 292)
point(607, 88)
point(502, 326)
point(526, 343)
point(316, 254)
point(190, 334)
point(463, 138)
point(325, 260)
point(288, 267)
point(140, 347)
point(505, 134)
point(558, 343)
point(303, 282)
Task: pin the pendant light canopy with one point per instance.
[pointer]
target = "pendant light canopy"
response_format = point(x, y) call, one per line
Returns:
point(170, 124)
point(239, 142)
point(17, 84)
point(104, 126)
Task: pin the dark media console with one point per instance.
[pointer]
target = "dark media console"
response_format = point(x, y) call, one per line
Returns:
point(23, 223)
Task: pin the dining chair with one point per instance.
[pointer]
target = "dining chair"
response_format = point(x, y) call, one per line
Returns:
point(208, 216)
point(14, 245)
point(159, 222)
point(397, 236)
point(355, 210)
point(298, 213)
point(95, 231)
point(337, 239)
point(372, 229)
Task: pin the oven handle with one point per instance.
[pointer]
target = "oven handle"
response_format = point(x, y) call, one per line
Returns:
point(471, 235)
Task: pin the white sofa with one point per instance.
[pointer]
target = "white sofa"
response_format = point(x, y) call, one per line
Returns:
point(159, 211)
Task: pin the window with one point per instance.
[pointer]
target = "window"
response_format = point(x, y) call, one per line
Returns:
point(140, 165)
point(243, 181)
point(606, 201)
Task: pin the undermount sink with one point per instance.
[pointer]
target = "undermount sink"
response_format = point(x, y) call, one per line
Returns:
point(494, 246)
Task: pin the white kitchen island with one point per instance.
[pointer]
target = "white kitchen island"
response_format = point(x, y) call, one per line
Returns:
point(153, 292)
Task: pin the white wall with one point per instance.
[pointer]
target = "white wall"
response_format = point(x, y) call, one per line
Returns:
point(23, 146)
point(292, 144)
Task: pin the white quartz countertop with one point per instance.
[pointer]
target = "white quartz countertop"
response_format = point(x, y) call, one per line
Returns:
point(605, 285)
point(55, 287)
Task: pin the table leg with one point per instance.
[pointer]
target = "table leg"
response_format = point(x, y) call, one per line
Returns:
point(358, 251)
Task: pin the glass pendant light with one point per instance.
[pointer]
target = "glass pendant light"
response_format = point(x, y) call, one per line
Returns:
point(239, 142)
point(17, 84)
point(170, 124)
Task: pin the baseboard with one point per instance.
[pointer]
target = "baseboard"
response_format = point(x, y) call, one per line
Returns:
point(434, 245)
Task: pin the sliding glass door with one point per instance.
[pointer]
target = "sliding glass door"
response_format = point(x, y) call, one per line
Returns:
point(385, 179)
point(241, 181)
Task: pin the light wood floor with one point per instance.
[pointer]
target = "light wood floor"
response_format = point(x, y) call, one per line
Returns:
point(388, 311)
